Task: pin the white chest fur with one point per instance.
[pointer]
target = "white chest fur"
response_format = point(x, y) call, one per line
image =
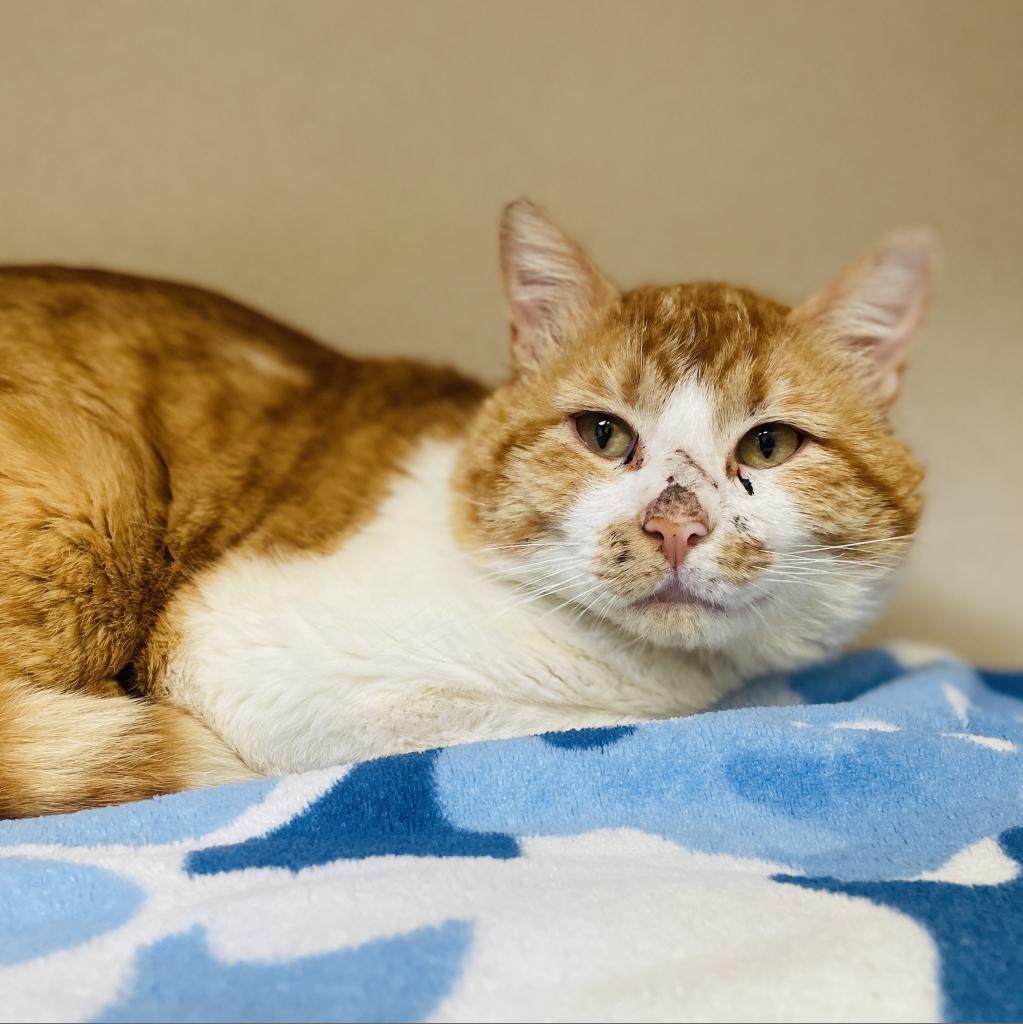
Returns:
point(398, 641)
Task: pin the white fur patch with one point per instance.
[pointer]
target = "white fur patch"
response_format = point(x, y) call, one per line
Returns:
point(398, 641)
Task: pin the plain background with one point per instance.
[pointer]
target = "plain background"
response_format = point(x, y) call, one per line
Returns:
point(342, 165)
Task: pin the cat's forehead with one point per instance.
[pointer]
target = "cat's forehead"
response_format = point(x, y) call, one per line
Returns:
point(704, 354)
point(706, 329)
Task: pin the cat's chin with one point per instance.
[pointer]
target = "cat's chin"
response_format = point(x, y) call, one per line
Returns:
point(669, 619)
point(679, 615)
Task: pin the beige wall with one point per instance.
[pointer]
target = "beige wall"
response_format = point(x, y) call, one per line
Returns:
point(343, 164)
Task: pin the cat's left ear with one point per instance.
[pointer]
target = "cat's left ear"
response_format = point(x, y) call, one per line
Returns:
point(554, 289)
point(874, 309)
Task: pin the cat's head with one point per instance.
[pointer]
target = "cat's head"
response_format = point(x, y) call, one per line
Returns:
point(698, 464)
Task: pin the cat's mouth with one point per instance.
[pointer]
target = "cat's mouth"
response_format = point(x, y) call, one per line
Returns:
point(674, 593)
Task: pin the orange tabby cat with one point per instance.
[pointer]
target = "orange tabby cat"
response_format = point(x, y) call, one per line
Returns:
point(226, 550)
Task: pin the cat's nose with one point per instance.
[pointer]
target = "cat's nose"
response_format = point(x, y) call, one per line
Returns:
point(675, 538)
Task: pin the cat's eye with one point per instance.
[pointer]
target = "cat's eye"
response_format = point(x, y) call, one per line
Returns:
point(605, 435)
point(768, 445)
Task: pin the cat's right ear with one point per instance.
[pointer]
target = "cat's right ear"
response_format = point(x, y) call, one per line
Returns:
point(553, 287)
point(874, 309)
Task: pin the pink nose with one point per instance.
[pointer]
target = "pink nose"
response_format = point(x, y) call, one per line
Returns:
point(675, 538)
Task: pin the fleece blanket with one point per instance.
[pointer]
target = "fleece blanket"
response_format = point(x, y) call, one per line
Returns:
point(846, 846)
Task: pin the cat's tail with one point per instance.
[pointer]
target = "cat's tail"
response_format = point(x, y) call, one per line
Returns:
point(64, 751)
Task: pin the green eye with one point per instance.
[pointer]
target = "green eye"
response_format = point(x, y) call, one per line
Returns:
point(605, 435)
point(768, 445)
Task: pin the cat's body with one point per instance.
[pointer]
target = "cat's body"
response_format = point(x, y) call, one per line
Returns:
point(226, 549)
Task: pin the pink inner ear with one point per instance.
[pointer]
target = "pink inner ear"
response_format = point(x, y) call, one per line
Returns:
point(551, 284)
point(531, 314)
point(875, 308)
point(542, 282)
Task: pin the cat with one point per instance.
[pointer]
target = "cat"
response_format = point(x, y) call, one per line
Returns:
point(228, 551)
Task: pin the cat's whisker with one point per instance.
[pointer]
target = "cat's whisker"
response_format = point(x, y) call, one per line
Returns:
point(525, 547)
point(801, 582)
point(557, 608)
point(554, 580)
point(879, 558)
point(574, 599)
point(795, 570)
point(525, 544)
point(867, 571)
point(634, 642)
point(853, 557)
point(556, 577)
point(801, 570)
point(535, 595)
point(855, 544)
point(607, 605)
point(519, 572)
point(812, 581)
point(836, 563)
point(525, 569)
point(760, 615)
point(591, 604)
point(536, 586)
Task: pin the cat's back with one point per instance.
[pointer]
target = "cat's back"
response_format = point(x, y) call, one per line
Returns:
point(264, 435)
point(137, 337)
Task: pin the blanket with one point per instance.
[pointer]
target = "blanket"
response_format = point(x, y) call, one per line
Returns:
point(840, 844)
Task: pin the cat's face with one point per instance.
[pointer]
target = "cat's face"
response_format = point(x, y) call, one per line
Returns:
point(698, 464)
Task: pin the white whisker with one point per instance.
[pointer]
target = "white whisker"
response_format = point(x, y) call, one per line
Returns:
point(855, 544)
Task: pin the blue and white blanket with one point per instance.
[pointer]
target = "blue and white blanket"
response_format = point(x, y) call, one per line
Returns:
point(852, 852)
